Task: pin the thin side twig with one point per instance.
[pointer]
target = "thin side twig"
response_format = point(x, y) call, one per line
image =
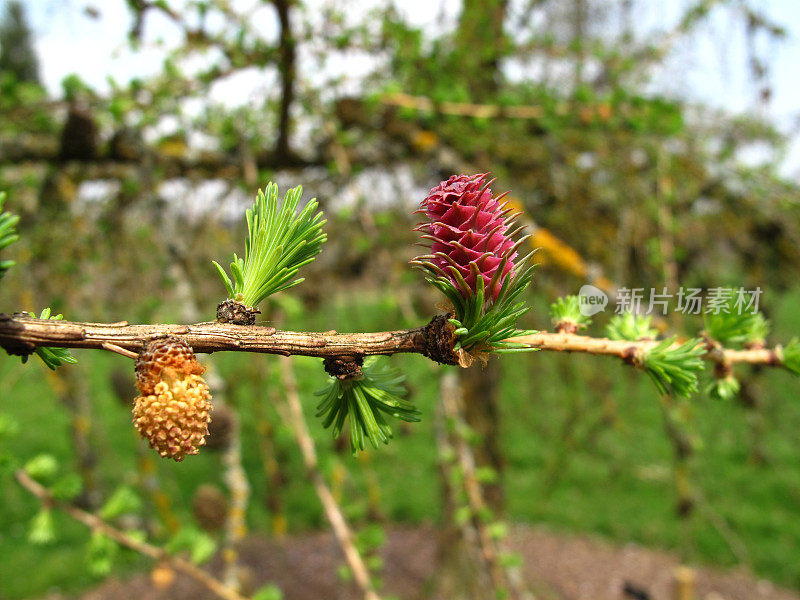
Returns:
point(235, 523)
point(114, 348)
point(235, 478)
point(447, 453)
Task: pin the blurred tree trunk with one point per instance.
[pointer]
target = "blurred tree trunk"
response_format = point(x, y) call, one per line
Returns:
point(470, 556)
point(481, 44)
point(579, 10)
point(17, 53)
point(286, 66)
point(462, 573)
point(480, 392)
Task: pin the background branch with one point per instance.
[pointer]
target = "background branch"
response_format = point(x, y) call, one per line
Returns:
point(341, 529)
point(97, 524)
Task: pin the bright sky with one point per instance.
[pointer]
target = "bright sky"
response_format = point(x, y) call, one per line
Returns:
point(712, 69)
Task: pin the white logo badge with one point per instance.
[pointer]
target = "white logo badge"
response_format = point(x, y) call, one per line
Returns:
point(592, 300)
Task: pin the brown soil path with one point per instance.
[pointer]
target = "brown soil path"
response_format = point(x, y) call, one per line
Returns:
point(563, 567)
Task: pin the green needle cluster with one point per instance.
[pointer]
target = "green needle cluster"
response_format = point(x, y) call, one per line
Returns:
point(759, 329)
point(362, 404)
point(790, 355)
point(729, 327)
point(568, 310)
point(280, 241)
point(482, 325)
point(630, 326)
point(52, 357)
point(723, 388)
point(674, 370)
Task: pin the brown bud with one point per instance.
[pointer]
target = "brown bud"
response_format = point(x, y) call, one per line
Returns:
point(210, 507)
point(567, 326)
point(122, 386)
point(344, 367)
point(231, 311)
point(220, 430)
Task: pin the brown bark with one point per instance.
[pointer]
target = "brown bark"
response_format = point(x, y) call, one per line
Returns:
point(20, 335)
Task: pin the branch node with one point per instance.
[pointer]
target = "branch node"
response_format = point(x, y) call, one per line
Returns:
point(440, 340)
point(231, 311)
point(566, 326)
point(16, 347)
point(344, 367)
point(632, 357)
point(722, 369)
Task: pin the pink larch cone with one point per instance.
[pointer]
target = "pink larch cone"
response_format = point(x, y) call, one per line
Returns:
point(469, 232)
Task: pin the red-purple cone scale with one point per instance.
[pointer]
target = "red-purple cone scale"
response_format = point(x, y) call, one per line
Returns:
point(469, 233)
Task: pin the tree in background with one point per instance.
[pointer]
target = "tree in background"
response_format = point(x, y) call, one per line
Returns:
point(17, 54)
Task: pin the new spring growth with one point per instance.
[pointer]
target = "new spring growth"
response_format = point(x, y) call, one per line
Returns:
point(631, 326)
point(474, 262)
point(673, 367)
point(566, 316)
point(280, 240)
point(52, 357)
point(362, 396)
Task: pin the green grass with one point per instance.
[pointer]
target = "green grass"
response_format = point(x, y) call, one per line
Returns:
point(616, 482)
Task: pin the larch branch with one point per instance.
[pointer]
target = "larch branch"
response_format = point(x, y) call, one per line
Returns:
point(21, 335)
point(629, 350)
